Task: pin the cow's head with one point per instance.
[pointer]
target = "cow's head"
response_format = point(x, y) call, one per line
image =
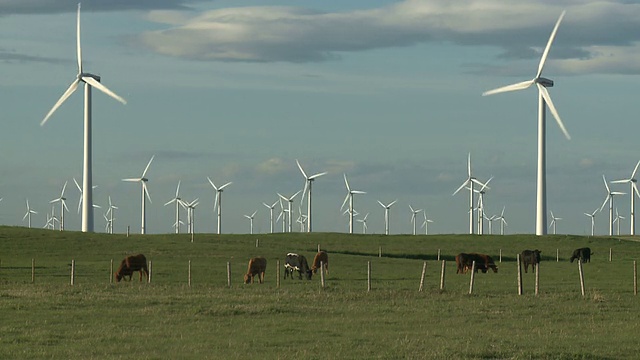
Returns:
point(536, 253)
point(247, 278)
point(118, 276)
point(309, 274)
point(494, 268)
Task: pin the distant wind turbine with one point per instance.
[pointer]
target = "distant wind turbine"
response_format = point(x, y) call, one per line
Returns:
point(554, 222)
point(191, 209)
point(483, 188)
point(270, 207)
point(217, 203)
point(63, 205)
point(90, 81)
point(349, 197)
point(250, 217)
point(307, 189)
point(28, 214)
point(426, 222)
point(544, 101)
point(413, 217)
point(110, 212)
point(503, 221)
point(469, 181)
point(176, 199)
point(609, 198)
point(143, 181)
point(288, 211)
point(634, 192)
point(386, 214)
point(617, 220)
point(593, 220)
point(364, 223)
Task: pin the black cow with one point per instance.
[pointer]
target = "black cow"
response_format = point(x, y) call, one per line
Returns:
point(583, 254)
point(298, 263)
point(484, 262)
point(530, 257)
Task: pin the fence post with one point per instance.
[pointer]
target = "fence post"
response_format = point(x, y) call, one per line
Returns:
point(557, 255)
point(473, 273)
point(581, 276)
point(322, 274)
point(500, 256)
point(150, 271)
point(438, 254)
point(257, 242)
point(635, 278)
point(33, 270)
point(610, 254)
point(379, 251)
point(519, 261)
point(128, 230)
point(192, 237)
point(73, 272)
point(229, 274)
point(424, 270)
point(278, 274)
point(111, 272)
point(537, 270)
point(442, 274)
point(368, 276)
point(189, 273)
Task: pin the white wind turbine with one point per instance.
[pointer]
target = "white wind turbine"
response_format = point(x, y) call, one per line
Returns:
point(107, 228)
point(143, 181)
point(287, 212)
point(490, 221)
point(28, 214)
point(250, 217)
point(217, 203)
point(349, 197)
point(90, 81)
point(386, 214)
point(80, 201)
point(110, 213)
point(469, 181)
point(307, 190)
point(554, 222)
point(302, 219)
point(63, 205)
point(544, 100)
point(503, 221)
point(270, 207)
point(413, 217)
point(634, 191)
point(364, 223)
point(483, 188)
point(191, 209)
point(593, 220)
point(426, 222)
point(609, 198)
point(618, 219)
point(176, 200)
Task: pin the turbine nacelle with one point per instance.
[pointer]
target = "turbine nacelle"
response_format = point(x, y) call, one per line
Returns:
point(82, 76)
point(544, 82)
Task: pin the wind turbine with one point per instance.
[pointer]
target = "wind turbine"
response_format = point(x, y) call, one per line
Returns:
point(90, 81)
point(634, 191)
point(554, 222)
point(176, 200)
point(110, 212)
point(593, 220)
point(63, 205)
point(307, 189)
point(544, 100)
point(617, 219)
point(349, 197)
point(469, 181)
point(302, 219)
point(217, 203)
point(426, 222)
point(609, 198)
point(80, 201)
point(28, 214)
point(288, 211)
point(503, 222)
point(143, 181)
point(413, 217)
point(191, 208)
point(250, 217)
point(270, 207)
point(386, 214)
point(108, 228)
point(483, 188)
point(364, 223)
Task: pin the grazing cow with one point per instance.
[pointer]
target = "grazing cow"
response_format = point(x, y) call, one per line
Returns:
point(582, 254)
point(130, 264)
point(298, 263)
point(463, 263)
point(257, 266)
point(530, 257)
point(321, 257)
point(483, 262)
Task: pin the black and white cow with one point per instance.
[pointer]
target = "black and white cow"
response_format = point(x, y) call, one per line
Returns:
point(298, 263)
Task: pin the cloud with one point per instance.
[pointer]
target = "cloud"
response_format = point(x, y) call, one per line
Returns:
point(594, 36)
point(9, 7)
point(11, 56)
point(272, 166)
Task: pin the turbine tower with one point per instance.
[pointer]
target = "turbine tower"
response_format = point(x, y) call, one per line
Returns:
point(217, 203)
point(28, 214)
point(288, 211)
point(90, 81)
point(386, 214)
point(250, 217)
point(618, 220)
point(593, 220)
point(634, 192)
point(554, 222)
point(469, 181)
point(270, 207)
point(307, 189)
point(110, 212)
point(413, 217)
point(503, 222)
point(63, 205)
point(143, 181)
point(176, 200)
point(349, 197)
point(426, 222)
point(609, 198)
point(364, 223)
point(544, 101)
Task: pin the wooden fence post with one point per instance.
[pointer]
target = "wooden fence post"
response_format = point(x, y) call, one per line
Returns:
point(438, 254)
point(635, 278)
point(189, 273)
point(322, 274)
point(277, 274)
point(368, 276)
point(442, 274)
point(73, 272)
point(519, 261)
point(610, 254)
point(500, 260)
point(557, 255)
point(128, 228)
point(424, 270)
point(111, 272)
point(150, 271)
point(379, 251)
point(257, 242)
point(537, 270)
point(33, 270)
point(318, 247)
point(473, 273)
point(192, 237)
point(581, 276)
point(229, 274)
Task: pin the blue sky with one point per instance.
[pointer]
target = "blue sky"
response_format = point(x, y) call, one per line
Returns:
point(388, 92)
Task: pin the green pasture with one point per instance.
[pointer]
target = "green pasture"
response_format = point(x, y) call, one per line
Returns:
point(168, 319)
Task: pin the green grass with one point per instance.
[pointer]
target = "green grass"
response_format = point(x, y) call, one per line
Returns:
point(167, 319)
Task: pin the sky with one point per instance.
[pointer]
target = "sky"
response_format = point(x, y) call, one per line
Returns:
point(388, 93)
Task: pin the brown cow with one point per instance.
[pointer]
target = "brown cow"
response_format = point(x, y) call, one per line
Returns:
point(530, 257)
point(130, 264)
point(321, 257)
point(257, 266)
point(463, 263)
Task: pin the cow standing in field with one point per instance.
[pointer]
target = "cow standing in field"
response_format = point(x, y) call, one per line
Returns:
point(530, 257)
point(321, 257)
point(484, 262)
point(130, 264)
point(462, 263)
point(257, 266)
point(582, 254)
point(298, 263)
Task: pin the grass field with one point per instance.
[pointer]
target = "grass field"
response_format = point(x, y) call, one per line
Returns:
point(168, 319)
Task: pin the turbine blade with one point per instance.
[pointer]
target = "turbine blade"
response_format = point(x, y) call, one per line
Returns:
point(357, 192)
point(225, 185)
point(178, 188)
point(78, 48)
point(633, 174)
point(170, 201)
point(393, 202)
point(94, 83)
point(381, 204)
point(63, 98)
point(543, 59)
point(318, 175)
point(552, 108)
point(635, 188)
point(301, 170)
point(147, 168)
point(345, 201)
point(77, 185)
point(604, 202)
point(146, 192)
point(461, 187)
point(294, 195)
point(606, 185)
point(346, 182)
point(513, 87)
point(212, 184)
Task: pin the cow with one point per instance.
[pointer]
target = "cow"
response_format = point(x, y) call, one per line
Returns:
point(257, 266)
point(465, 261)
point(530, 257)
point(321, 257)
point(462, 263)
point(298, 263)
point(582, 254)
point(130, 264)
